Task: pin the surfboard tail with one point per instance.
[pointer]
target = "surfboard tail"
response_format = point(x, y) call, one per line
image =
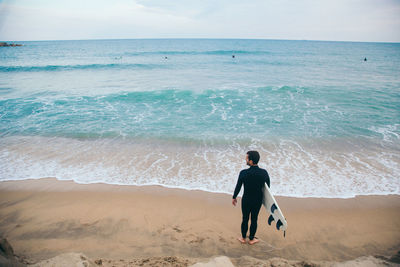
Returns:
point(270, 219)
point(279, 224)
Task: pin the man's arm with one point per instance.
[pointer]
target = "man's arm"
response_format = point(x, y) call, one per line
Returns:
point(267, 181)
point(238, 185)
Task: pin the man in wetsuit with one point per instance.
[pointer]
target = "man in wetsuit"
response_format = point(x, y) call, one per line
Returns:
point(253, 180)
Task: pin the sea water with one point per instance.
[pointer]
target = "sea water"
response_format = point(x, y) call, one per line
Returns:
point(325, 116)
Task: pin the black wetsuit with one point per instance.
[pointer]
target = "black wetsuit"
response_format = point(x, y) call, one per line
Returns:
point(253, 180)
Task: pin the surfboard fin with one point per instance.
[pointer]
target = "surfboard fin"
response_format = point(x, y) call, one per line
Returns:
point(273, 208)
point(278, 224)
point(270, 219)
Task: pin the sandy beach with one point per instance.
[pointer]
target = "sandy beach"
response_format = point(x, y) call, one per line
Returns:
point(130, 225)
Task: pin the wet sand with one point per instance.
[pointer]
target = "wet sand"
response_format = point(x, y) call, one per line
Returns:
point(46, 217)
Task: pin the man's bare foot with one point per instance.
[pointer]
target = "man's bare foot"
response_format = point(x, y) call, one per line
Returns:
point(252, 242)
point(242, 240)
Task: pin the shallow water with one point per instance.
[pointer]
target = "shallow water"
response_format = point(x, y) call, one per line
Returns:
point(182, 113)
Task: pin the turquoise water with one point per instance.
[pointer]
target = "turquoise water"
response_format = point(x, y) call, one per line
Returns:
point(178, 112)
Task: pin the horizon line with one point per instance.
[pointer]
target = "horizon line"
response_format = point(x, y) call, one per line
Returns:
point(202, 38)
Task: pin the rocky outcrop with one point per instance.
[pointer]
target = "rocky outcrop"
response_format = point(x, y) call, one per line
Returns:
point(7, 257)
point(67, 260)
point(221, 261)
point(3, 44)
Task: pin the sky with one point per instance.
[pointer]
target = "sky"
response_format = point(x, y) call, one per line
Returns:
point(333, 20)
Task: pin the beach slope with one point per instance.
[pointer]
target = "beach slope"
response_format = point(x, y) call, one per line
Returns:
point(47, 217)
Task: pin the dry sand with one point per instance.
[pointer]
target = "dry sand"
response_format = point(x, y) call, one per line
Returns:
point(129, 224)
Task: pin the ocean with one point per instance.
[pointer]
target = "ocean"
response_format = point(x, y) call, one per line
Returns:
point(182, 113)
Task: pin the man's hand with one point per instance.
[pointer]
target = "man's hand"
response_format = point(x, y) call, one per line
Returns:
point(234, 201)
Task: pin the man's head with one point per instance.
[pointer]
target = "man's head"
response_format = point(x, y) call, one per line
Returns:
point(252, 158)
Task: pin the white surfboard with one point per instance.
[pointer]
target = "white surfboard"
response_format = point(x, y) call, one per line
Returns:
point(273, 210)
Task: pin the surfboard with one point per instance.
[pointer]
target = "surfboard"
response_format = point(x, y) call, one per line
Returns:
point(273, 210)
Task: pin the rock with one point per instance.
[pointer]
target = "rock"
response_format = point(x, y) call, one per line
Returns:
point(5, 249)
point(4, 44)
point(98, 262)
point(7, 257)
point(221, 261)
point(365, 261)
point(395, 258)
point(67, 260)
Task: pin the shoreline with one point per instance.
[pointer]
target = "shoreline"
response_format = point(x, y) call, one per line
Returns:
point(166, 187)
point(339, 168)
point(42, 218)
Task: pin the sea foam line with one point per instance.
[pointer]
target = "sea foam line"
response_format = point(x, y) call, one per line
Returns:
point(295, 169)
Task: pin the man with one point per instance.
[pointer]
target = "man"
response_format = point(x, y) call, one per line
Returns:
point(253, 180)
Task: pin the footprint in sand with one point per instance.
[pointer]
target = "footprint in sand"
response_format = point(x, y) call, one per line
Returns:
point(177, 229)
point(197, 240)
point(221, 239)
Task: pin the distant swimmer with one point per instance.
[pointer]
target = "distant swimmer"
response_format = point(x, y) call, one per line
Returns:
point(166, 57)
point(365, 59)
point(233, 56)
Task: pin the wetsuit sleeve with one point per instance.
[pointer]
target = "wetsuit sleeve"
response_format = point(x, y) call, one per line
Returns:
point(267, 179)
point(238, 185)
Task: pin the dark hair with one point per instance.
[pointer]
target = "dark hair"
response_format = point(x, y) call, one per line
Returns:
point(254, 156)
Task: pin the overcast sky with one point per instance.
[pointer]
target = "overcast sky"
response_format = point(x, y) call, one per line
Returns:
point(339, 20)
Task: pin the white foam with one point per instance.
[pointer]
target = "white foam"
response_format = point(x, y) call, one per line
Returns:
point(297, 168)
point(388, 132)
